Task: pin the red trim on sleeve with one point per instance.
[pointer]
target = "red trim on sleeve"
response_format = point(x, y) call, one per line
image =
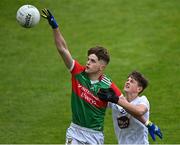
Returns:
point(116, 89)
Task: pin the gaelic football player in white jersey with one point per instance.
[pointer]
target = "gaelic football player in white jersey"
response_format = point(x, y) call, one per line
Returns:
point(127, 128)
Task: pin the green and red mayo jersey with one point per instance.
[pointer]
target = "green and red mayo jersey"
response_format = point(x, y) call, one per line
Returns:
point(87, 109)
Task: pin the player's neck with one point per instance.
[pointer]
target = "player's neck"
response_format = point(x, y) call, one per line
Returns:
point(94, 76)
point(131, 96)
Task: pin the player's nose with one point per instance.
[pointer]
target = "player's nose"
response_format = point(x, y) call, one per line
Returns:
point(88, 62)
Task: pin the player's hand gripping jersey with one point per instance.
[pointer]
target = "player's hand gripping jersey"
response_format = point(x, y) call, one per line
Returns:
point(87, 109)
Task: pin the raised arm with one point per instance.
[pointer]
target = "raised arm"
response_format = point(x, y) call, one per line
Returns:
point(58, 38)
point(62, 48)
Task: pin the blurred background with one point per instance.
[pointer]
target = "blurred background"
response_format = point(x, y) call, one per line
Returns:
point(35, 86)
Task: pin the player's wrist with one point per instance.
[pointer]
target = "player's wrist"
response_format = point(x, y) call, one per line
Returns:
point(115, 100)
point(148, 123)
point(53, 22)
point(54, 25)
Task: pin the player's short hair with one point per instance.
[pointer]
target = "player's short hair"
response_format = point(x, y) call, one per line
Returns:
point(100, 52)
point(142, 81)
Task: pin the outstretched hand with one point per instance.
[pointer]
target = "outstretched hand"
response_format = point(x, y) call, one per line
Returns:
point(47, 15)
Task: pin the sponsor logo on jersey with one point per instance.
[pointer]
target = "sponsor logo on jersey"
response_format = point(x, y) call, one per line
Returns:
point(89, 97)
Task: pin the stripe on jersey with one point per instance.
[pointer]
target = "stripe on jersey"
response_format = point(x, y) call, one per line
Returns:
point(106, 80)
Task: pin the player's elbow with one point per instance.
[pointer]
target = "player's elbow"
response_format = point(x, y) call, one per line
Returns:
point(141, 112)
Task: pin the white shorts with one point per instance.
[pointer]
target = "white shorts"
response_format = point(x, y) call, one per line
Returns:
point(76, 134)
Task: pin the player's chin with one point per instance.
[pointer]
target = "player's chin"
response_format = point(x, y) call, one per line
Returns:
point(125, 89)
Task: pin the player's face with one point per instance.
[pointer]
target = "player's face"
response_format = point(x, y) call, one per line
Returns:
point(93, 65)
point(131, 86)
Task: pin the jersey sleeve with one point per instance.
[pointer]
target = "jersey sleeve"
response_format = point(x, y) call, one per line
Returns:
point(76, 68)
point(116, 89)
point(144, 101)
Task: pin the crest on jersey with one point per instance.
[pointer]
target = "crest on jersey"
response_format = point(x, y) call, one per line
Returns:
point(123, 122)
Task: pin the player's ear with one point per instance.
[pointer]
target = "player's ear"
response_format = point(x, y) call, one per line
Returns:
point(103, 65)
point(139, 89)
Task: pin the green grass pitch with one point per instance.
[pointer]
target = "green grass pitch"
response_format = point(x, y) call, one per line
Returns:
point(35, 87)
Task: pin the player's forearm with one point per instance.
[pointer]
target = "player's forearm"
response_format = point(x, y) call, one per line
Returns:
point(62, 48)
point(59, 40)
point(141, 119)
point(132, 109)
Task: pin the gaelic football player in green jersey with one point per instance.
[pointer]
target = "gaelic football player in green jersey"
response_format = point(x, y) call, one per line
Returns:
point(88, 110)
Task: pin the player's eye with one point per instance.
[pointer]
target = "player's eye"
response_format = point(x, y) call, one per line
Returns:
point(93, 60)
point(127, 80)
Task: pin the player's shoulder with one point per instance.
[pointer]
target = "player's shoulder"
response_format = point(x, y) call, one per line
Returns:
point(143, 100)
point(143, 97)
point(106, 80)
point(76, 67)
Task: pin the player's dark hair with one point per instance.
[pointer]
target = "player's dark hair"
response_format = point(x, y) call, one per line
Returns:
point(142, 81)
point(100, 52)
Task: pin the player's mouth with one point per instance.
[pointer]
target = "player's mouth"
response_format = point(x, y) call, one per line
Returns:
point(87, 67)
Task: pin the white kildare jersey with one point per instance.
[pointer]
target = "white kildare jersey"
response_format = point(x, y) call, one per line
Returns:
point(128, 129)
